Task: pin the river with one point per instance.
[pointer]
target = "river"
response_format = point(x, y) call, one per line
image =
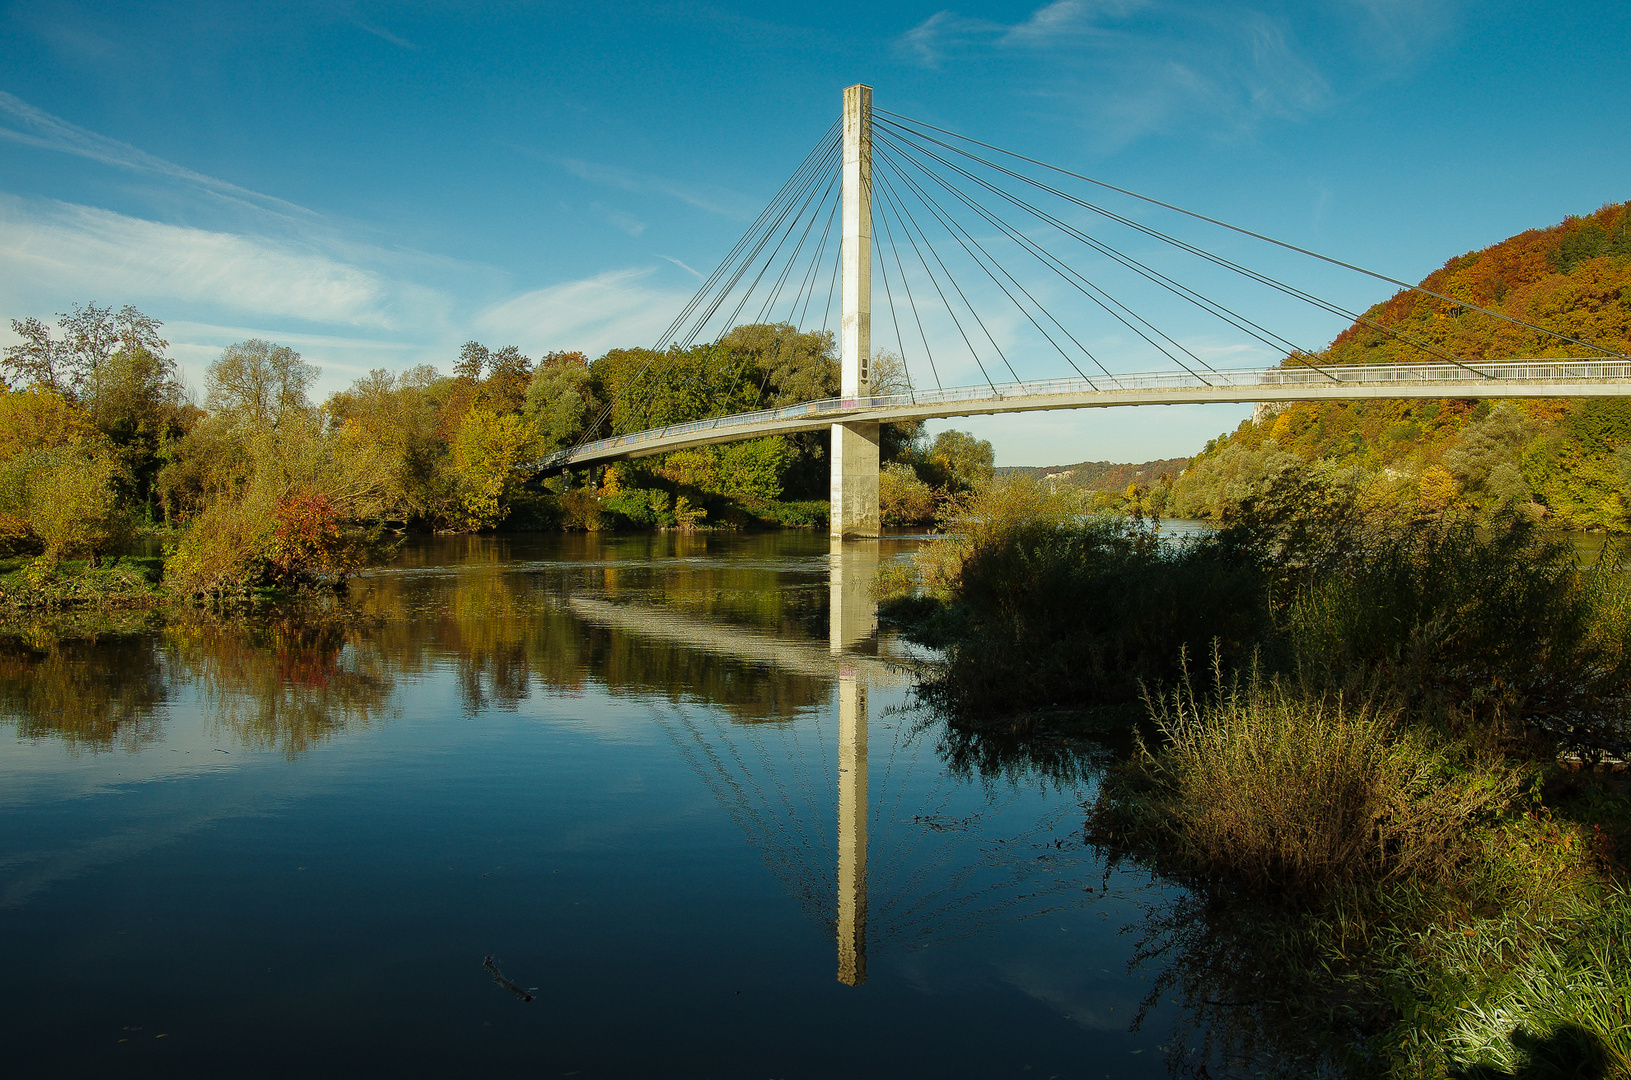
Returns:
point(672, 789)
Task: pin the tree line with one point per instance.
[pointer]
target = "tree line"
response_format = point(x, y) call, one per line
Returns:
point(262, 486)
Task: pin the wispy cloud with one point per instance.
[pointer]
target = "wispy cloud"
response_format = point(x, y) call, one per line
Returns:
point(625, 222)
point(355, 18)
point(31, 126)
point(621, 308)
point(1131, 67)
point(71, 249)
point(708, 197)
point(694, 273)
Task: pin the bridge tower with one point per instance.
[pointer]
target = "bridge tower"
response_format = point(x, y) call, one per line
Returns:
point(855, 445)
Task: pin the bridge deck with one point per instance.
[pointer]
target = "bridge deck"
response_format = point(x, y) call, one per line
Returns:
point(1504, 378)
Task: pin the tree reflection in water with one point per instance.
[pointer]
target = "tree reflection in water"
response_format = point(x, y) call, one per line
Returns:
point(285, 683)
point(759, 658)
point(92, 693)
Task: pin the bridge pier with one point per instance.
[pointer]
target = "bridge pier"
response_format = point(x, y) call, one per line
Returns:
point(854, 480)
point(854, 453)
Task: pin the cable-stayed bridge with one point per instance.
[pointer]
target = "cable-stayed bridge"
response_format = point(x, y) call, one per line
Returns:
point(946, 206)
point(1505, 378)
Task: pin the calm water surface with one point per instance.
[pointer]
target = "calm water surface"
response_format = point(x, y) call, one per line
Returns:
point(672, 786)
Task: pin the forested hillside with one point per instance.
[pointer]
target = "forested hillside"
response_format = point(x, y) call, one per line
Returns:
point(1103, 475)
point(1567, 461)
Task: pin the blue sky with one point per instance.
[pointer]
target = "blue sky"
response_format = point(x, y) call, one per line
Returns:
point(376, 183)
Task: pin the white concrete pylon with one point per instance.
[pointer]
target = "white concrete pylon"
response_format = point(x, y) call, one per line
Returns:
point(855, 446)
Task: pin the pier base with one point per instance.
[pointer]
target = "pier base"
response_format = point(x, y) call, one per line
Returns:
point(855, 479)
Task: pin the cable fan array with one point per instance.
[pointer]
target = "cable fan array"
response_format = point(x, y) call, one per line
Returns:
point(984, 262)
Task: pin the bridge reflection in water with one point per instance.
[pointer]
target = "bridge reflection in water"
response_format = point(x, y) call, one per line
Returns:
point(875, 842)
point(851, 620)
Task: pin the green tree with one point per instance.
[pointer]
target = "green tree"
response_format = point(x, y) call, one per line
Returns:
point(398, 416)
point(75, 364)
point(790, 366)
point(558, 401)
point(960, 461)
point(903, 498)
point(68, 496)
point(485, 452)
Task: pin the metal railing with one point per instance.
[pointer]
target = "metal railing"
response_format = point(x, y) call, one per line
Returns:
point(1568, 369)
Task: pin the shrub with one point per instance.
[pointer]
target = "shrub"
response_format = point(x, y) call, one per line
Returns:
point(581, 510)
point(1280, 791)
point(222, 555)
point(903, 499)
point(1043, 608)
point(1464, 625)
point(642, 508)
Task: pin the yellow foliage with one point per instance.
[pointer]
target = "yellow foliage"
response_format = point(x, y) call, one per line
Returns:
point(1437, 489)
point(40, 419)
point(486, 450)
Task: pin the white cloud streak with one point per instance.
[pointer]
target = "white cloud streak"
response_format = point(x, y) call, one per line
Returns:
point(36, 127)
point(709, 198)
point(617, 309)
point(73, 250)
point(1136, 66)
point(366, 26)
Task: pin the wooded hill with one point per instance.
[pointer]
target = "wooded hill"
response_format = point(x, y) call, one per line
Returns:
point(1568, 461)
point(1101, 475)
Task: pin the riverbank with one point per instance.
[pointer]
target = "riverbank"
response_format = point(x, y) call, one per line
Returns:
point(1381, 753)
point(125, 583)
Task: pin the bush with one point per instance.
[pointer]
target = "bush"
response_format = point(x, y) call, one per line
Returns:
point(801, 514)
point(222, 554)
point(1040, 607)
point(640, 508)
point(1278, 791)
point(1463, 626)
point(903, 499)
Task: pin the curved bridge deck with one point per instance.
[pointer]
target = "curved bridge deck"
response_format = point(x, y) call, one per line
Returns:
point(1493, 379)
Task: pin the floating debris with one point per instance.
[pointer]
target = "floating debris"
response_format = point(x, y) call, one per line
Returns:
point(498, 977)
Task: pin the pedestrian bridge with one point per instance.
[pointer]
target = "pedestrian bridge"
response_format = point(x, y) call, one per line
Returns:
point(1493, 379)
point(1003, 219)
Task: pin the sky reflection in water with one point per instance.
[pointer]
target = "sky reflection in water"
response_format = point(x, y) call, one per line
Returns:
point(672, 785)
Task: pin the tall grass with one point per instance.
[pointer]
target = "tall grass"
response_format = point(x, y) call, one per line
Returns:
point(1271, 789)
point(1463, 628)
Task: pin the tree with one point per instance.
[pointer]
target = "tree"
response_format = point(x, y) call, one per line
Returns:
point(67, 497)
point(258, 383)
point(1437, 489)
point(903, 498)
point(962, 461)
point(395, 416)
point(889, 376)
point(508, 376)
point(1488, 444)
point(486, 450)
point(75, 365)
point(472, 360)
point(558, 402)
point(40, 419)
point(790, 366)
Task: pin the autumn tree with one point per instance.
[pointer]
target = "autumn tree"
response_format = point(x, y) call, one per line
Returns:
point(258, 383)
point(75, 364)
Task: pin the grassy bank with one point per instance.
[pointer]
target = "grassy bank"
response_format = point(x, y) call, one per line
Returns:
point(1391, 791)
point(28, 584)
